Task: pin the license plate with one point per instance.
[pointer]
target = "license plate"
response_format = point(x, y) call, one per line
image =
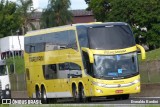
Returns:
point(119, 91)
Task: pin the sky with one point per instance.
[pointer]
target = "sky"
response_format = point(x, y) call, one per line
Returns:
point(75, 4)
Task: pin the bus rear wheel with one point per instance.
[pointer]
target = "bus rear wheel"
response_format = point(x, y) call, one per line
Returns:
point(43, 95)
point(75, 94)
point(37, 91)
point(82, 97)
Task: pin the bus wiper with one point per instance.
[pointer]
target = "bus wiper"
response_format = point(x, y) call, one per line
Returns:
point(99, 49)
point(103, 76)
point(117, 78)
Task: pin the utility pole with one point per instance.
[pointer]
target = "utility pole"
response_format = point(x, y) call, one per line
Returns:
point(13, 53)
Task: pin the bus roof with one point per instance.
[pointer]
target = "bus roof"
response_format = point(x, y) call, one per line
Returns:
point(49, 30)
point(104, 24)
point(72, 26)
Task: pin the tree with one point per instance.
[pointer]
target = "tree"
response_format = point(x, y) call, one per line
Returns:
point(19, 64)
point(9, 18)
point(25, 14)
point(138, 13)
point(99, 7)
point(56, 14)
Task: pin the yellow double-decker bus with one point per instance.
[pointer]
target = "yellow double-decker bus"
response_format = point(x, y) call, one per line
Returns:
point(82, 61)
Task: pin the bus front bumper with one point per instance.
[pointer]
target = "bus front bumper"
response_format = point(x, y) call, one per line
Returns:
point(103, 91)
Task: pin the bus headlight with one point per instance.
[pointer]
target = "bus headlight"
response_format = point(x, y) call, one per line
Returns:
point(98, 84)
point(7, 86)
point(136, 81)
point(137, 88)
point(99, 91)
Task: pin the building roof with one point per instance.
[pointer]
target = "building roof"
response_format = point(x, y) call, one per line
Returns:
point(83, 12)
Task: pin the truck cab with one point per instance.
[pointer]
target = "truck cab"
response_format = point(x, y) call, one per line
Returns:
point(5, 87)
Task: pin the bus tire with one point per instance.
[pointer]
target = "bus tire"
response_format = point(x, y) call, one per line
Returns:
point(37, 92)
point(74, 93)
point(117, 97)
point(43, 95)
point(125, 96)
point(82, 96)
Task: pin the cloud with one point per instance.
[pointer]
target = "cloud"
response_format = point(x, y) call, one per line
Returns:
point(75, 4)
point(78, 4)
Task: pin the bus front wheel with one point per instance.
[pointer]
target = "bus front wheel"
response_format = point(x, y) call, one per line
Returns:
point(125, 96)
point(82, 97)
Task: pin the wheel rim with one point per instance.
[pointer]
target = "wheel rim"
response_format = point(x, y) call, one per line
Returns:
point(75, 94)
point(44, 94)
point(83, 97)
point(83, 94)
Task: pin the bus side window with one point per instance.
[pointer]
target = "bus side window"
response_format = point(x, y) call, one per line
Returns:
point(32, 48)
point(82, 37)
point(50, 71)
point(72, 43)
point(64, 66)
point(26, 44)
point(40, 47)
point(61, 67)
point(74, 66)
point(27, 49)
point(75, 70)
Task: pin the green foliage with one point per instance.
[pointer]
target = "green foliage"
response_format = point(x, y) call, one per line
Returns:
point(19, 64)
point(4, 105)
point(9, 18)
point(15, 16)
point(25, 14)
point(56, 14)
point(100, 8)
point(153, 55)
point(142, 13)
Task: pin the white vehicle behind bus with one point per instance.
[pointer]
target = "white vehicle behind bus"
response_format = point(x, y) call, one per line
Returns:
point(5, 87)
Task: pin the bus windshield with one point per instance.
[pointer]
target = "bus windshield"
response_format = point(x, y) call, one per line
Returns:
point(110, 37)
point(116, 66)
point(3, 70)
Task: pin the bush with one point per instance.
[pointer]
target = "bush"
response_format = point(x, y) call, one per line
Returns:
point(19, 64)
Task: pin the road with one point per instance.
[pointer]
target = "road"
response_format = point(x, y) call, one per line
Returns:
point(103, 100)
point(147, 90)
point(100, 100)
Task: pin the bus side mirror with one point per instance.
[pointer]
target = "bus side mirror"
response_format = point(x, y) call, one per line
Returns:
point(11, 68)
point(91, 58)
point(143, 53)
